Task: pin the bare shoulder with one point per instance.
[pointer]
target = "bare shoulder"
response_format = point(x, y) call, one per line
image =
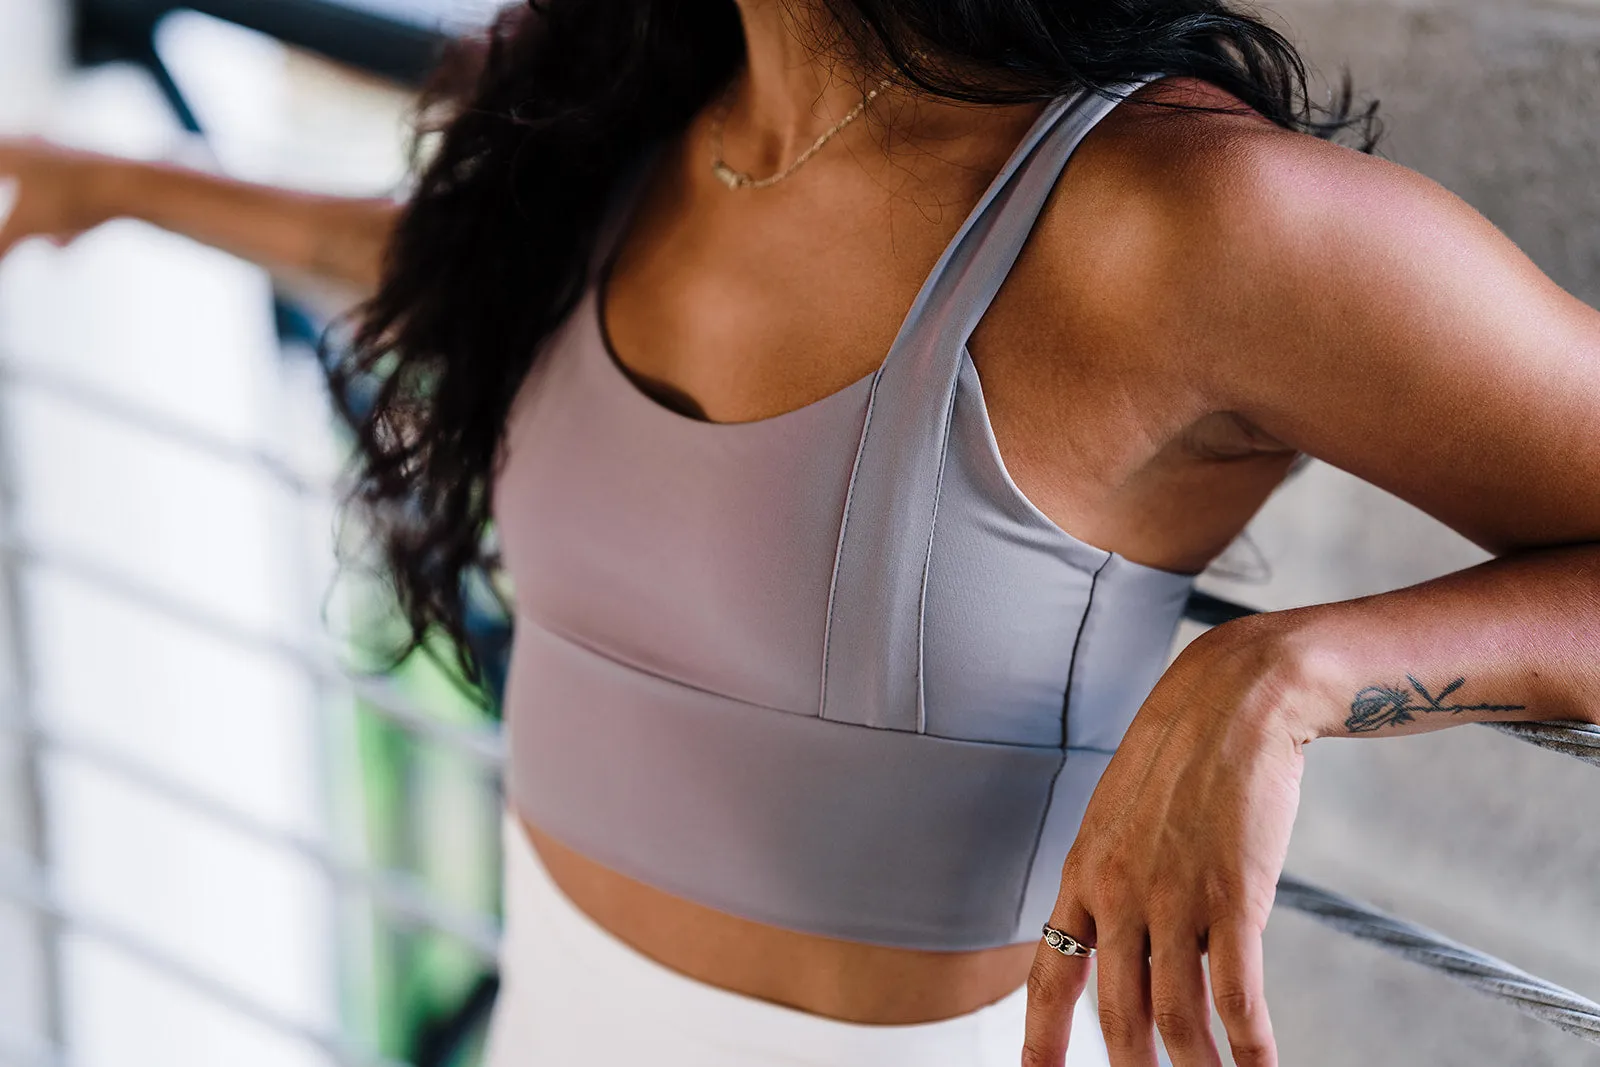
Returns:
point(1334, 302)
point(1128, 245)
point(1198, 238)
point(1225, 169)
point(1164, 189)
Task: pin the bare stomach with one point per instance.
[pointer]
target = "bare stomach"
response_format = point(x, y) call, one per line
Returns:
point(844, 980)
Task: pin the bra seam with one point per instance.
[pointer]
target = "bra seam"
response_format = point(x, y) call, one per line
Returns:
point(563, 636)
point(1072, 661)
point(838, 550)
point(927, 555)
point(665, 679)
point(1066, 749)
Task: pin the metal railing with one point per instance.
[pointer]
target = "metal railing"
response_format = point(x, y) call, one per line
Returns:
point(359, 36)
point(125, 30)
point(24, 877)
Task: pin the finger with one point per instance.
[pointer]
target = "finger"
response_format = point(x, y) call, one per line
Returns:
point(1054, 986)
point(1238, 987)
point(1178, 998)
point(1124, 968)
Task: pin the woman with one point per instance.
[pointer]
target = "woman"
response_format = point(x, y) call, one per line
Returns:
point(830, 743)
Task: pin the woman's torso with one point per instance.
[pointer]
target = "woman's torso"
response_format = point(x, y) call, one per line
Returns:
point(756, 306)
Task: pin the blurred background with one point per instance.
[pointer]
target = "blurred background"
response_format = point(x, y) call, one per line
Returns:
point(223, 842)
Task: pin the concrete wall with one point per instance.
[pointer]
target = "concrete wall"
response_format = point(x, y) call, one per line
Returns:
point(1488, 840)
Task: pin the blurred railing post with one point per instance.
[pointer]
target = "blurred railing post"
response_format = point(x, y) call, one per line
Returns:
point(48, 1023)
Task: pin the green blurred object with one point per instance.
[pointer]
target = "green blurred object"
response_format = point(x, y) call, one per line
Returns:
point(432, 814)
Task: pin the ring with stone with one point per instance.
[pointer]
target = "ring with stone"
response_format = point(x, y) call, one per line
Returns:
point(1065, 943)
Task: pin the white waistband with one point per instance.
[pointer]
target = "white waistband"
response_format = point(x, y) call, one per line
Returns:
point(574, 995)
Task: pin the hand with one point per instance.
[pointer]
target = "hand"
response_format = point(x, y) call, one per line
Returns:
point(1178, 857)
point(49, 191)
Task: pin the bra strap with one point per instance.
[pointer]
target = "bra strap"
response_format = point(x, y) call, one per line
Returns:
point(872, 652)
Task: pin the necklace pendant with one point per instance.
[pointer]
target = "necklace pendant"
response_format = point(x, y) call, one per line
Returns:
point(727, 175)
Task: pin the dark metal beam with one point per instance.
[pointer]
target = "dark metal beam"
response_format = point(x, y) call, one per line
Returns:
point(391, 47)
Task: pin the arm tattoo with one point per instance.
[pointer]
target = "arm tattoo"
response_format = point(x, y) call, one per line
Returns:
point(1382, 705)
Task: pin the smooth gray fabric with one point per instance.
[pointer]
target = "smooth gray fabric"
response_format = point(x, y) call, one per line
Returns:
point(830, 670)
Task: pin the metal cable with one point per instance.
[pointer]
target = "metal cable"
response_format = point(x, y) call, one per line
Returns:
point(1576, 739)
point(1487, 974)
point(379, 694)
point(26, 885)
point(109, 406)
point(401, 896)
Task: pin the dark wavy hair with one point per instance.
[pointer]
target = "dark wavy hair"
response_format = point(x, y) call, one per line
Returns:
point(529, 125)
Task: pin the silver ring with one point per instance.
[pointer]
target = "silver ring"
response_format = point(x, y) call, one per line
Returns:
point(1065, 943)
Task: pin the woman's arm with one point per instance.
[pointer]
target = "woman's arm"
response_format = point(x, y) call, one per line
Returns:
point(1357, 312)
point(1187, 832)
point(60, 193)
point(1513, 639)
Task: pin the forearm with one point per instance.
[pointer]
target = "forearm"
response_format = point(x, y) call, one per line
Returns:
point(293, 234)
point(1516, 638)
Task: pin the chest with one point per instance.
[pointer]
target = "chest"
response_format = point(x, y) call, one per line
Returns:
point(735, 308)
point(705, 557)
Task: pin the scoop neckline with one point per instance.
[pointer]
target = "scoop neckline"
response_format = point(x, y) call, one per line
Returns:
point(617, 370)
point(626, 213)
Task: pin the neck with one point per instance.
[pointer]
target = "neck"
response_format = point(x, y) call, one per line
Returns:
point(789, 90)
point(795, 84)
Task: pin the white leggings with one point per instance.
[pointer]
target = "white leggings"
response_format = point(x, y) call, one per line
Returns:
point(573, 995)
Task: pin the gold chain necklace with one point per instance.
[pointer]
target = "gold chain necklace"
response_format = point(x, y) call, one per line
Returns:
point(738, 179)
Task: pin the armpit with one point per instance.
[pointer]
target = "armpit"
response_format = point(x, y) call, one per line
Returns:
point(1223, 436)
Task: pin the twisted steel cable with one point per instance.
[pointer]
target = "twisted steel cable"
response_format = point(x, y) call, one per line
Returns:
point(1576, 739)
point(1528, 994)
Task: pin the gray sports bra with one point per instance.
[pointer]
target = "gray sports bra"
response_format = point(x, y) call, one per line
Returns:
point(829, 670)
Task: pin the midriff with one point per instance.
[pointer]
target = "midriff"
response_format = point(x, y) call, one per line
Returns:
point(844, 980)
